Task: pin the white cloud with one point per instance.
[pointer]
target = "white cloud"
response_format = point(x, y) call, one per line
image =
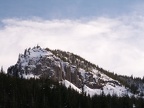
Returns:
point(116, 44)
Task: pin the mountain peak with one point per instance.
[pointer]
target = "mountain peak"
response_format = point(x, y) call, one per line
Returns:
point(68, 69)
point(36, 52)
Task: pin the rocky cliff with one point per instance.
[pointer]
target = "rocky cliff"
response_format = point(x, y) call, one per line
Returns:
point(67, 68)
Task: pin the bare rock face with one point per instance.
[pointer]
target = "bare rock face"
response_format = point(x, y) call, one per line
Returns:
point(58, 66)
point(43, 63)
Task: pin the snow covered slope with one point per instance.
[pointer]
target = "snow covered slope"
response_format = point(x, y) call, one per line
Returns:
point(72, 70)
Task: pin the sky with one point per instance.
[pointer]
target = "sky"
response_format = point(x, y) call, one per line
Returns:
point(108, 33)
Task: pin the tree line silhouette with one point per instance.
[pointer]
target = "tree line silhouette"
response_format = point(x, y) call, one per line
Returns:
point(45, 93)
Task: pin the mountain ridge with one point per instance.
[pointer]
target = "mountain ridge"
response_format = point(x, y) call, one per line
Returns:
point(68, 68)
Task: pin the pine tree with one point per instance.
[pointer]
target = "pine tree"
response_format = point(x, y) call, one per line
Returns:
point(2, 71)
point(25, 52)
point(143, 79)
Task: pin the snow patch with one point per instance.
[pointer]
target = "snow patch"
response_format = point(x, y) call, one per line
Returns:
point(107, 90)
point(70, 85)
point(29, 76)
point(91, 92)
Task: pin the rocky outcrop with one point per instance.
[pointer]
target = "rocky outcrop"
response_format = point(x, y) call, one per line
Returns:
point(59, 66)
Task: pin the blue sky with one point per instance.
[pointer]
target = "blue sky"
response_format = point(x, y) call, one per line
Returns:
point(109, 33)
point(65, 8)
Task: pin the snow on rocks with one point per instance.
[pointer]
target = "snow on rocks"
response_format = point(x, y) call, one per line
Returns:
point(37, 61)
point(68, 84)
